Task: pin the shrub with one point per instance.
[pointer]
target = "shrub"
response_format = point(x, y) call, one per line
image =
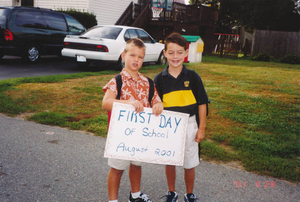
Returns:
point(87, 19)
point(262, 57)
point(290, 59)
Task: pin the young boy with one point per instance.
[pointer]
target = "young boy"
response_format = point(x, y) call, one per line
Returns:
point(134, 91)
point(177, 91)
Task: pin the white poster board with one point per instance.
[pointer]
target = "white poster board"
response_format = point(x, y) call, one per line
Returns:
point(146, 137)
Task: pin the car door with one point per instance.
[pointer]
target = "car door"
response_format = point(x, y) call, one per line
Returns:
point(57, 30)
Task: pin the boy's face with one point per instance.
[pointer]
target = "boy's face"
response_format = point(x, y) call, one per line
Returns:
point(133, 58)
point(175, 54)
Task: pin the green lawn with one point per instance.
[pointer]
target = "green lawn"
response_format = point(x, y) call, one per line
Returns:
point(253, 117)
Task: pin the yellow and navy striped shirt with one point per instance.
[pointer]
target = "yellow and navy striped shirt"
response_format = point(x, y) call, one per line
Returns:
point(177, 94)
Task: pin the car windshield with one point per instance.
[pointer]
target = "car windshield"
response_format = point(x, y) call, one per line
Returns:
point(103, 32)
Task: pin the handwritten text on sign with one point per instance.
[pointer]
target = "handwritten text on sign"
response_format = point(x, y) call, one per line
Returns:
point(146, 137)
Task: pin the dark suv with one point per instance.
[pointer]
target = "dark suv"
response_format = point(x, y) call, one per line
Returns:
point(32, 32)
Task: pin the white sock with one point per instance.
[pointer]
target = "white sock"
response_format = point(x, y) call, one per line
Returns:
point(113, 201)
point(136, 194)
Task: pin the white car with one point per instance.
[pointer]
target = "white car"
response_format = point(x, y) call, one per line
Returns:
point(106, 43)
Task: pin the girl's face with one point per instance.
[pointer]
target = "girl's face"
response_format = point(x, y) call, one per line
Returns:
point(175, 55)
point(133, 58)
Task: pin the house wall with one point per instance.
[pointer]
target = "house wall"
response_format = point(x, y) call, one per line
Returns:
point(8, 3)
point(108, 11)
point(59, 4)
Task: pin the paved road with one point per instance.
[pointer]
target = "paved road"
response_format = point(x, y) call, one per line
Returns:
point(12, 67)
point(44, 163)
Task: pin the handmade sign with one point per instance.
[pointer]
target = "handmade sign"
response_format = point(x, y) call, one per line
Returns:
point(146, 137)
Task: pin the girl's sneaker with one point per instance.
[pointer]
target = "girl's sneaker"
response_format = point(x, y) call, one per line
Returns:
point(190, 198)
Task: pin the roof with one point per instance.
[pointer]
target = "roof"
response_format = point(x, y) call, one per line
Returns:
point(190, 38)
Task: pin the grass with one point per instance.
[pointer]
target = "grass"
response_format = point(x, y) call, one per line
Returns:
point(253, 119)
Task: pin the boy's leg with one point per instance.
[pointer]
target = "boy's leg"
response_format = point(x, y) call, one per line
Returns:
point(171, 177)
point(113, 183)
point(189, 177)
point(135, 175)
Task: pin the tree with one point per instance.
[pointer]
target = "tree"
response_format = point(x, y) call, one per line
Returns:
point(279, 15)
point(276, 15)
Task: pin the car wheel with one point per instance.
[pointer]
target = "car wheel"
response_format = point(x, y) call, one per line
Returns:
point(32, 53)
point(119, 65)
point(161, 59)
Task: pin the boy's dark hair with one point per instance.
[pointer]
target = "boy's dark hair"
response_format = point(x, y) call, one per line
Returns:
point(134, 42)
point(176, 38)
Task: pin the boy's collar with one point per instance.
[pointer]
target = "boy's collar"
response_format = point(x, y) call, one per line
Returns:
point(128, 76)
point(166, 72)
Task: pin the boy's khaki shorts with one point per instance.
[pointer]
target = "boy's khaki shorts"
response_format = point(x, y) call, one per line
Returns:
point(120, 164)
point(191, 156)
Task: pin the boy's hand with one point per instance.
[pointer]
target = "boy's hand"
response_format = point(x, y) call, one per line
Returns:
point(157, 108)
point(137, 105)
point(200, 135)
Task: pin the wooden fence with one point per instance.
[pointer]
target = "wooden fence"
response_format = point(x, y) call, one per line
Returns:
point(276, 43)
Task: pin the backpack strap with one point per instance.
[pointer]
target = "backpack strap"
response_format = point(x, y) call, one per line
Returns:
point(119, 83)
point(151, 90)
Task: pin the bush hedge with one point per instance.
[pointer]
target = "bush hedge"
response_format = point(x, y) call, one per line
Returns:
point(87, 19)
point(290, 59)
point(262, 57)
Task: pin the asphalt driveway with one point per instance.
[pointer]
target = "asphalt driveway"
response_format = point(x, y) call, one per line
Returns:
point(44, 163)
point(14, 67)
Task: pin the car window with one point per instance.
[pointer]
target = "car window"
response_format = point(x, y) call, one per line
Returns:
point(144, 36)
point(55, 21)
point(31, 19)
point(103, 32)
point(74, 25)
point(3, 13)
point(130, 34)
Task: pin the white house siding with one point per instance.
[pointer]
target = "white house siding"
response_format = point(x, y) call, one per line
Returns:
point(108, 11)
point(6, 2)
point(65, 4)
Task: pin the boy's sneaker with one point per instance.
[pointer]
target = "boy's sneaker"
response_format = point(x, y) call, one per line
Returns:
point(142, 198)
point(171, 197)
point(190, 198)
